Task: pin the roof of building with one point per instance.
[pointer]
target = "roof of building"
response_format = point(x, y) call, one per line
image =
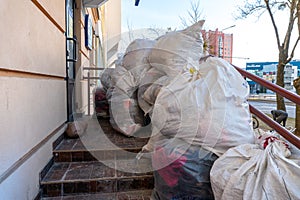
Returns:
point(271, 65)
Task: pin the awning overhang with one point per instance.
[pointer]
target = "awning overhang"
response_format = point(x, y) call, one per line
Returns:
point(98, 3)
point(93, 3)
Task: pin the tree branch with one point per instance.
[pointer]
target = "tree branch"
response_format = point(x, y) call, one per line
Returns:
point(293, 50)
point(194, 14)
point(273, 23)
point(290, 25)
point(298, 14)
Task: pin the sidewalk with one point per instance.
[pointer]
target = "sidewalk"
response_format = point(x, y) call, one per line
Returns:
point(270, 97)
point(266, 97)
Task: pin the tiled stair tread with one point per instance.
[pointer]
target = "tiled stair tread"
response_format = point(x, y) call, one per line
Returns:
point(101, 136)
point(91, 171)
point(131, 195)
point(78, 144)
point(94, 155)
point(101, 164)
point(98, 187)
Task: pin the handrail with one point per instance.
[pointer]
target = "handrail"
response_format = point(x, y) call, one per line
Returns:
point(275, 88)
point(89, 78)
point(283, 92)
point(277, 127)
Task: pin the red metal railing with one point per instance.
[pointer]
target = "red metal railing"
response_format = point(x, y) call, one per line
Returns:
point(279, 90)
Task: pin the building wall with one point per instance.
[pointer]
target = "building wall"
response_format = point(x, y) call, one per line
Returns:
point(33, 109)
point(227, 47)
point(219, 44)
point(110, 16)
point(112, 29)
point(33, 90)
point(267, 71)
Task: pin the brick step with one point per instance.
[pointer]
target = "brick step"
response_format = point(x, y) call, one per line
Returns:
point(111, 176)
point(75, 150)
point(101, 164)
point(100, 142)
point(137, 194)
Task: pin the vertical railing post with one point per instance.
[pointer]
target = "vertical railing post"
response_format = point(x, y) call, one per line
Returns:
point(89, 93)
point(89, 78)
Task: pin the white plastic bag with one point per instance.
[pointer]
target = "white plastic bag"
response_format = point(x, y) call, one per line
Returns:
point(136, 53)
point(105, 78)
point(135, 59)
point(251, 172)
point(147, 80)
point(175, 50)
point(208, 108)
point(125, 114)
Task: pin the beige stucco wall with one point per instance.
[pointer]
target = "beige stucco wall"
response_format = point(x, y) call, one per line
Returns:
point(32, 71)
point(24, 183)
point(30, 110)
point(56, 9)
point(33, 91)
point(29, 40)
point(112, 22)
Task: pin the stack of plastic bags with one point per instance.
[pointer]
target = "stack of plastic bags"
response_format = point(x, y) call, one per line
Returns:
point(126, 116)
point(197, 105)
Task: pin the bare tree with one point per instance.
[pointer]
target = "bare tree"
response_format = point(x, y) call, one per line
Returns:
point(284, 54)
point(194, 14)
point(298, 15)
point(296, 84)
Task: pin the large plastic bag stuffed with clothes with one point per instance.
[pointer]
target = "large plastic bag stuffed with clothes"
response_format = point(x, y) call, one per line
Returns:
point(135, 59)
point(105, 78)
point(152, 91)
point(174, 50)
point(181, 171)
point(125, 114)
point(136, 53)
point(150, 77)
point(265, 170)
point(207, 108)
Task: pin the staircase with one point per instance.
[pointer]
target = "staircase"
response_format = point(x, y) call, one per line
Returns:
point(99, 165)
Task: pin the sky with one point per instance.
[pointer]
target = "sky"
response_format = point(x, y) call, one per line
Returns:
point(253, 39)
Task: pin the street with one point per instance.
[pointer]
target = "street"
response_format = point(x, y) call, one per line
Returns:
point(267, 106)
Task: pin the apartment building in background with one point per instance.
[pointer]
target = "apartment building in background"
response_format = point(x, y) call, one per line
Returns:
point(267, 71)
point(47, 48)
point(218, 43)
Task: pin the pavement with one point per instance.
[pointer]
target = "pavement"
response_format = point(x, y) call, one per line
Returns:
point(267, 97)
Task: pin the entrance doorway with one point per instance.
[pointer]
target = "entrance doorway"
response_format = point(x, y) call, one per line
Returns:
point(71, 54)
